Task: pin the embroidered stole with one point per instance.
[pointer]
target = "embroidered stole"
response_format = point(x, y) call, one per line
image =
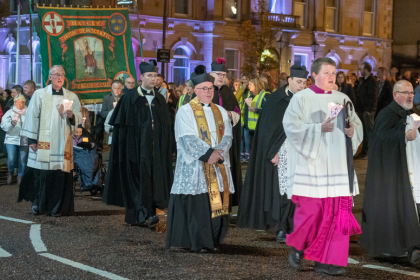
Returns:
point(218, 208)
point(44, 140)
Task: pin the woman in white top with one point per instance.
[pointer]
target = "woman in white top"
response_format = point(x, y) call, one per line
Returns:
point(17, 146)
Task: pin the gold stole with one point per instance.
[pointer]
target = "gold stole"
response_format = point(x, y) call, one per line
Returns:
point(217, 207)
point(44, 140)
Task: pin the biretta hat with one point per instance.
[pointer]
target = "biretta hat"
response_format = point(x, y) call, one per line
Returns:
point(148, 67)
point(297, 71)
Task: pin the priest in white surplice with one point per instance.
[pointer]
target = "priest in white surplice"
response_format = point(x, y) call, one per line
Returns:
point(318, 172)
point(198, 212)
point(52, 115)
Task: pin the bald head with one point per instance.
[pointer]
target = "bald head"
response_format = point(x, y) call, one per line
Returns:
point(404, 94)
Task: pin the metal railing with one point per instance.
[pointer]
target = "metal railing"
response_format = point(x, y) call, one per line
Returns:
point(278, 19)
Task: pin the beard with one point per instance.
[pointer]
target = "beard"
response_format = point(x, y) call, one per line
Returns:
point(407, 106)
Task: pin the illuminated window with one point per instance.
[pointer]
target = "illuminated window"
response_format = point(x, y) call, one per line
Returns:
point(181, 66)
point(37, 67)
point(331, 15)
point(231, 9)
point(369, 18)
point(300, 7)
point(12, 69)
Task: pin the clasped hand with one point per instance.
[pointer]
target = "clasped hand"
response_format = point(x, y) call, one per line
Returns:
point(215, 157)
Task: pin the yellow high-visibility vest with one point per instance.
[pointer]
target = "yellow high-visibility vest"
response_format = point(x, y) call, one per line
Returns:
point(253, 116)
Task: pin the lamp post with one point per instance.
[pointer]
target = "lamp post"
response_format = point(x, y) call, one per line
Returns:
point(280, 44)
point(314, 47)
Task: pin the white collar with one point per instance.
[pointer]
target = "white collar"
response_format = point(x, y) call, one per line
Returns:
point(148, 91)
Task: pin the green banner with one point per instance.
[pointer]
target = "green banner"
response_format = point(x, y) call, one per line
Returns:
point(93, 45)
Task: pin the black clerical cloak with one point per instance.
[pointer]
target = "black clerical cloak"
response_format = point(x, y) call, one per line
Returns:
point(261, 204)
point(140, 165)
point(229, 102)
point(389, 217)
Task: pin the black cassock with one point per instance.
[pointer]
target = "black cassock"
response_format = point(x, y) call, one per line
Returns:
point(389, 217)
point(229, 102)
point(261, 205)
point(140, 172)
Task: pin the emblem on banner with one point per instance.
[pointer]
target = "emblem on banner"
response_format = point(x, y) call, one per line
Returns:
point(117, 24)
point(53, 23)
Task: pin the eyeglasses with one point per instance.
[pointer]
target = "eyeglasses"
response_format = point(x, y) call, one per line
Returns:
point(406, 92)
point(209, 89)
point(58, 75)
point(221, 75)
point(130, 83)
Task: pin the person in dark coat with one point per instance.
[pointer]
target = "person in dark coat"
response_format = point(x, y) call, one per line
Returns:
point(264, 202)
point(367, 100)
point(344, 87)
point(224, 96)
point(385, 90)
point(408, 77)
point(390, 224)
point(114, 96)
point(140, 165)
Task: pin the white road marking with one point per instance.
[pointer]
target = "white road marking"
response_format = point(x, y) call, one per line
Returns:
point(35, 236)
point(4, 254)
point(392, 270)
point(350, 260)
point(16, 220)
point(84, 267)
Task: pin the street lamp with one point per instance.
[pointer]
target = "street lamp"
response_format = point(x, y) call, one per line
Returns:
point(280, 44)
point(314, 47)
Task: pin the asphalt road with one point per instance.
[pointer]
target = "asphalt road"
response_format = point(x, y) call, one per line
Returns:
point(96, 244)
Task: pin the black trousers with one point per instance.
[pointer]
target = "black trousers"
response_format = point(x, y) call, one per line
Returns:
point(368, 120)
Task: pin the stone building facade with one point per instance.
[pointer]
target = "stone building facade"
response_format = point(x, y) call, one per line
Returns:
point(198, 31)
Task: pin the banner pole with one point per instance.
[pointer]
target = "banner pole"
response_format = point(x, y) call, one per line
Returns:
point(30, 36)
point(17, 47)
point(138, 25)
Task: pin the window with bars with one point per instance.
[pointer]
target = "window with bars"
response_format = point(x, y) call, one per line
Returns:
point(181, 66)
point(331, 15)
point(369, 17)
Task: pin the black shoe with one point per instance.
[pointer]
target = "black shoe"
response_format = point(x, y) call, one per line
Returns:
point(34, 210)
point(414, 257)
point(281, 237)
point(328, 269)
point(153, 221)
point(56, 215)
point(295, 258)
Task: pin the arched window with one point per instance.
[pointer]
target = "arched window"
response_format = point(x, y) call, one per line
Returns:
point(181, 66)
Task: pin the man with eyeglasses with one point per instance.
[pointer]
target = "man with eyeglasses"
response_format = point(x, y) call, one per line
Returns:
point(140, 165)
point(367, 99)
point(391, 202)
point(321, 182)
point(198, 212)
point(224, 96)
point(52, 115)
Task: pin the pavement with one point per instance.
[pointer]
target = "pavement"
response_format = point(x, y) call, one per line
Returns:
point(95, 243)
